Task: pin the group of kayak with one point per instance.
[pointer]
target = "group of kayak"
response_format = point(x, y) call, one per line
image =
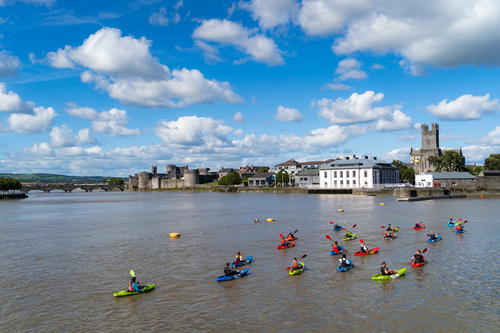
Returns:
point(288, 241)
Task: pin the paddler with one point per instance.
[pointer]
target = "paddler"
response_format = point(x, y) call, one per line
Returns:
point(388, 234)
point(389, 228)
point(349, 234)
point(433, 235)
point(363, 247)
point(239, 258)
point(343, 261)
point(295, 265)
point(386, 271)
point(337, 226)
point(451, 221)
point(134, 285)
point(290, 236)
point(418, 258)
point(228, 271)
point(284, 242)
point(459, 226)
point(418, 225)
point(336, 248)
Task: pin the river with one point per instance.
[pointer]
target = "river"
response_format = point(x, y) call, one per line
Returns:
point(64, 254)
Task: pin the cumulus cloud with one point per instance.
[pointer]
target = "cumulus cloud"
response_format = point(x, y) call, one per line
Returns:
point(287, 114)
point(40, 148)
point(350, 69)
point(400, 154)
point(465, 107)
point(338, 86)
point(238, 117)
point(112, 122)
point(272, 13)
point(210, 52)
point(397, 120)
point(256, 46)
point(124, 67)
point(159, 18)
point(32, 123)
point(11, 102)
point(62, 136)
point(8, 64)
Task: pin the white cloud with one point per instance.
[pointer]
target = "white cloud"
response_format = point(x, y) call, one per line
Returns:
point(465, 107)
point(272, 13)
point(62, 136)
point(210, 52)
point(11, 102)
point(350, 69)
point(32, 123)
point(8, 64)
point(493, 137)
point(112, 122)
point(159, 18)
point(40, 148)
point(397, 120)
point(376, 67)
point(287, 114)
point(258, 47)
point(125, 68)
point(337, 86)
point(238, 117)
point(400, 154)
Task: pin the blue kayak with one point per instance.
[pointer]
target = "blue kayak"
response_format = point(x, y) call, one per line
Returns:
point(459, 231)
point(342, 250)
point(436, 240)
point(339, 228)
point(343, 269)
point(223, 278)
point(451, 224)
point(248, 259)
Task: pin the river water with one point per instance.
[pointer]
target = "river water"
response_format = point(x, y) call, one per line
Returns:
point(64, 254)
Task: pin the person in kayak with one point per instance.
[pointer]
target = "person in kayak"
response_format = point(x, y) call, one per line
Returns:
point(459, 226)
point(418, 258)
point(295, 265)
point(363, 248)
point(284, 242)
point(389, 234)
point(343, 261)
point(451, 221)
point(337, 226)
point(134, 285)
point(389, 228)
point(349, 234)
point(386, 271)
point(290, 236)
point(418, 225)
point(228, 271)
point(433, 235)
point(239, 258)
point(336, 248)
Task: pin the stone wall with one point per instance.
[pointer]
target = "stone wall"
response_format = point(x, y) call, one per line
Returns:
point(172, 183)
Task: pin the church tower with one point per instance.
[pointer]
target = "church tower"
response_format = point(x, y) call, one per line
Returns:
point(430, 138)
point(419, 158)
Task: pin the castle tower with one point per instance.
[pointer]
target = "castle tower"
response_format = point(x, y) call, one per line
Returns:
point(419, 158)
point(430, 138)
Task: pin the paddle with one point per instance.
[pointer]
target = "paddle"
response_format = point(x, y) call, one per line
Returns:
point(132, 273)
point(288, 268)
point(330, 238)
point(331, 222)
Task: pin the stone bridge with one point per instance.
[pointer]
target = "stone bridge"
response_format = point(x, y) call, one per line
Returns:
point(69, 187)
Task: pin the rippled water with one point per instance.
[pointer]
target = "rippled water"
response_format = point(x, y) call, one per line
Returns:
point(64, 254)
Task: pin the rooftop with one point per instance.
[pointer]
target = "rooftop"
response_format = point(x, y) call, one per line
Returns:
point(261, 175)
point(355, 163)
point(450, 175)
point(308, 172)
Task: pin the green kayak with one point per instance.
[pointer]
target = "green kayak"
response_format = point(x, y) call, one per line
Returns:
point(297, 271)
point(145, 289)
point(400, 272)
point(353, 236)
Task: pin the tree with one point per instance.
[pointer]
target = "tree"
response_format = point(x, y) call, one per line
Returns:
point(282, 177)
point(475, 170)
point(449, 161)
point(263, 170)
point(8, 184)
point(115, 181)
point(232, 178)
point(406, 174)
point(492, 162)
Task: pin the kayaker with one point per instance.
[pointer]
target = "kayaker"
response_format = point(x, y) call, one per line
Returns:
point(134, 285)
point(386, 271)
point(348, 234)
point(337, 226)
point(433, 235)
point(284, 242)
point(418, 225)
point(290, 236)
point(451, 221)
point(295, 264)
point(388, 234)
point(363, 248)
point(336, 248)
point(239, 258)
point(418, 258)
point(343, 261)
point(256, 220)
point(459, 226)
point(389, 228)
point(229, 271)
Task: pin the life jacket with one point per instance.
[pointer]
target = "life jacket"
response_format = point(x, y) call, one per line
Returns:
point(343, 262)
point(295, 264)
point(387, 234)
point(383, 270)
point(364, 248)
point(419, 258)
point(335, 248)
point(459, 228)
point(130, 288)
point(283, 242)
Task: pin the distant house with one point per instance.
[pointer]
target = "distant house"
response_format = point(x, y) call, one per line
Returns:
point(292, 167)
point(307, 178)
point(355, 172)
point(224, 171)
point(261, 179)
point(444, 179)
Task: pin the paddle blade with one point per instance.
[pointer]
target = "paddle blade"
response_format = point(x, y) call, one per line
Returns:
point(295, 231)
point(132, 273)
point(287, 268)
point(305, 255)
point(424, 250)
point(354, 226)
point(331, 222)
point(281, 236)
point(382, 227)
point(329, 237)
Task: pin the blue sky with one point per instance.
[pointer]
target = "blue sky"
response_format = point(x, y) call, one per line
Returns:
point(97, 88)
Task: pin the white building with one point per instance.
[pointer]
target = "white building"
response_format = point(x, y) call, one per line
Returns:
point(354, 172)
point(444, 179)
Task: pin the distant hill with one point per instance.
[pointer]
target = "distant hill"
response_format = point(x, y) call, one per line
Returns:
point(54, 178)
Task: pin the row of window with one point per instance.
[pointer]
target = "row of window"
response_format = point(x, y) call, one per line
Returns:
point(341, 182)
point(347, 174)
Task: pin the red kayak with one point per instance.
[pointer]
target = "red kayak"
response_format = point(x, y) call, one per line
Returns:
point(281, 247)
point(418, 228)
point(291, 239)
point(372, 251)
point(420, 264)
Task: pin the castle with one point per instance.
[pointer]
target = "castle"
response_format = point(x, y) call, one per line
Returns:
point(419, 158)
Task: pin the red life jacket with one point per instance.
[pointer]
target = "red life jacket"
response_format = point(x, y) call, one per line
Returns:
point(295, 264)
point(335, 248)
point(283, 241)
point(459, 227)
point(130, 287)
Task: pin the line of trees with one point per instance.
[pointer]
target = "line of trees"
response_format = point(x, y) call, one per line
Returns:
point(9, 184)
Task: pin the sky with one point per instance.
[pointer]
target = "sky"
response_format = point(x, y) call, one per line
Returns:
point(113, 87)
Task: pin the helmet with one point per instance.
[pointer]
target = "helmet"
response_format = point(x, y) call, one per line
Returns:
point(133, 279)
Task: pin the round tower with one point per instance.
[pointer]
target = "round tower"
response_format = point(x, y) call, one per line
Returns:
point(191, 178)
point(144, 181)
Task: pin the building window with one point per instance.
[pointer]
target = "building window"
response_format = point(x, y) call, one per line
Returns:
point(366, 173)
point(347, 182)
point(347, 175)
point(354, 174)
point(354, 182)
point(341, 182)
point(335, 182)
point(326, 184)
point(326, 174)
point(335, 174)
point(341, 174)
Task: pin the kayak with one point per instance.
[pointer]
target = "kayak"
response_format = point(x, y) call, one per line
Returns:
point(223, 278)
point(248, 261)
point(281, 247)
point(349, 238)
point(394, 236)
point(399, 272)
point(436, 240)
point(459, 231)
point(451, 224)
point(372, 251)
point(145, 289)
point(297, 271)
point(291, 239)
point(419, 228)
point(342, 250)
point(419, 264)
point(343, 269)
point(339, 228)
